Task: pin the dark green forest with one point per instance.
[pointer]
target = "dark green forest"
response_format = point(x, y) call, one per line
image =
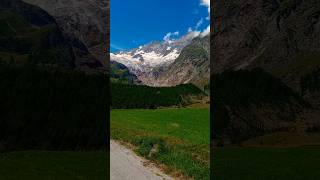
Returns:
point(52, 109)
point(125, 96)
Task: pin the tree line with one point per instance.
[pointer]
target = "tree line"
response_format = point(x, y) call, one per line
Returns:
point(125, 96)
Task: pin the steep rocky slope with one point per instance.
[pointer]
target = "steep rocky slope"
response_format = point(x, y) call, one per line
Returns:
point(282, 39)
point(192, 66)
point(84, 23)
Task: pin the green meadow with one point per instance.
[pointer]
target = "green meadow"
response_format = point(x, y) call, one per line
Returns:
point(300, 163)
point(182, 137)
point(51, 165)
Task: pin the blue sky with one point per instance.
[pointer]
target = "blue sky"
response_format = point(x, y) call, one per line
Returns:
point(137, 22)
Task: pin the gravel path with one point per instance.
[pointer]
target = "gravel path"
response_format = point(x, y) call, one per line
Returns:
point(126, 165)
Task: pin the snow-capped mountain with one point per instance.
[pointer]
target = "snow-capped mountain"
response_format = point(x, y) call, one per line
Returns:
point(143, 59)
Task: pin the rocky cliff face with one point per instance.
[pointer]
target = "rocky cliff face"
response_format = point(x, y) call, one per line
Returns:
point(192, 66)
point(282, 38)
point(84, 23)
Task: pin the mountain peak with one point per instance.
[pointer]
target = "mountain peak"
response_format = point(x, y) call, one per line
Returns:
point(153, 54)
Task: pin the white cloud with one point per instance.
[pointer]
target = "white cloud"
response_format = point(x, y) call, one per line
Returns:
point(199, 23)
point(189, 29)
point(194, 34)
point(169, 35)
point(205, 3)
point(205, 32)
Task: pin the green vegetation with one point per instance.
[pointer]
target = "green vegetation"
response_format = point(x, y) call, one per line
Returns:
point(46, 165)
point(52, 109)
point(266, 163)
point(181, 137)
point(126, 96)
point(194, 52)
point(120, 73)
point(11, 24)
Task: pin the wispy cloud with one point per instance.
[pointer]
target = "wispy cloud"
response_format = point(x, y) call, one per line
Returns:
point(169, 36)
point(116, 47)
point(205, 32)
point(194, 31)
point(199, 23)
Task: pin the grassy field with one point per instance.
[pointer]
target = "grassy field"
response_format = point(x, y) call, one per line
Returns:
point(266, 163)
point(44, 165)
point(181, 135)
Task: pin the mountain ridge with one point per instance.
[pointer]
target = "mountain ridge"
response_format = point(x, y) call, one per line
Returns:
point(154, 64)
point(153, 54)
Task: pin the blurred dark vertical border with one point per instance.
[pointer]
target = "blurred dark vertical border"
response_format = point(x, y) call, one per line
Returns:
point(54, 90)
point(212, 27)
point(106, 39)
point(265, 84)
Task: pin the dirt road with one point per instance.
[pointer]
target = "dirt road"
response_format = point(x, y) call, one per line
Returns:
point(126, 165)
